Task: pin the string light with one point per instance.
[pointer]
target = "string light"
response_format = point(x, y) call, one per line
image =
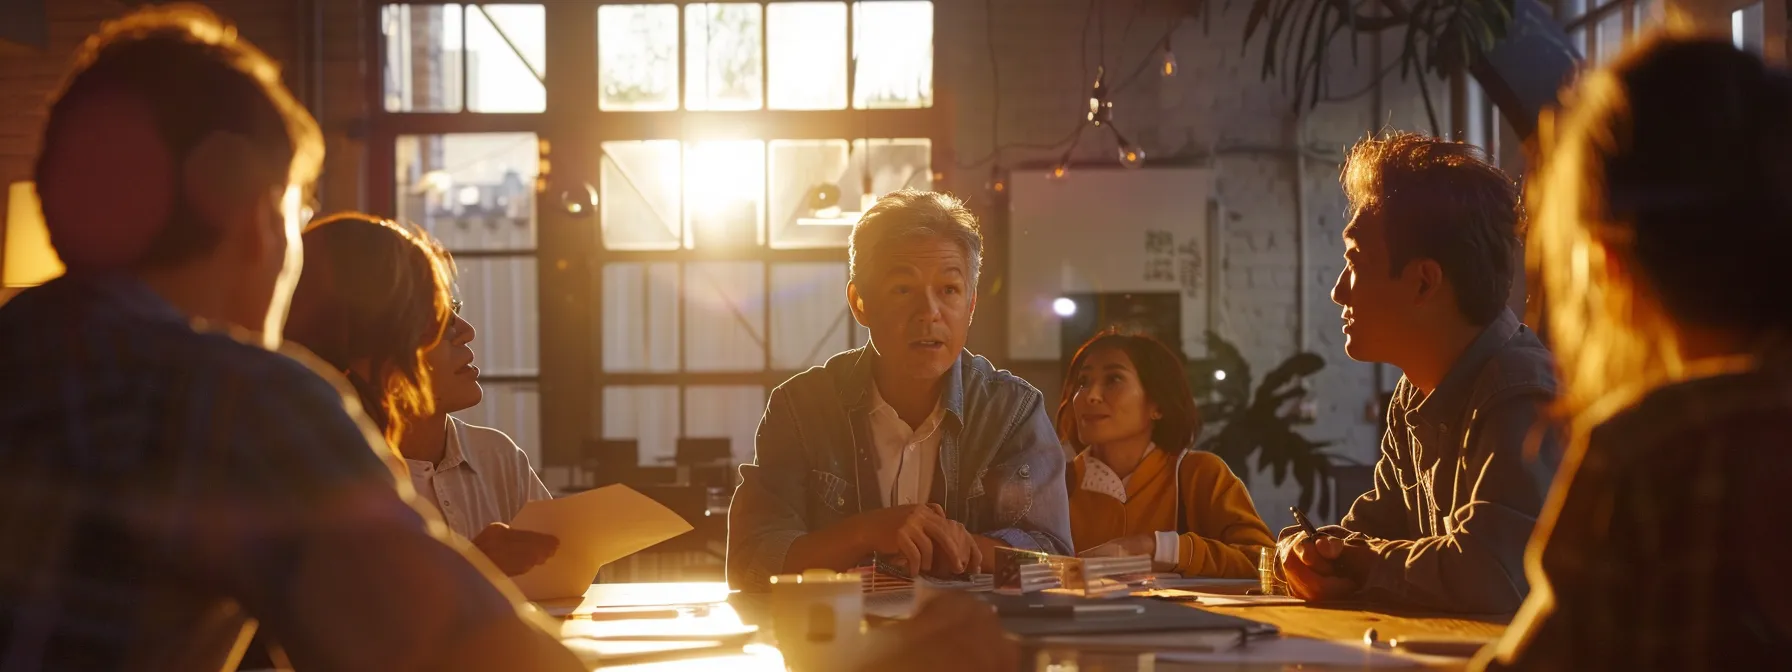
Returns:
point(998, 179)
point(1169, 69)
point(1101, 115)
point(1131, 156)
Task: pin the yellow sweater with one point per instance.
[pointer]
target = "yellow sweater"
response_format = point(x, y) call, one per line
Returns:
point(1224, 533)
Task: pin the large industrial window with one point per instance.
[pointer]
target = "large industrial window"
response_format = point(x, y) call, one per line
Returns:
point(725, 150)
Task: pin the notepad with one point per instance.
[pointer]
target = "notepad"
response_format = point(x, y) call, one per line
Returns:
point(595, 528)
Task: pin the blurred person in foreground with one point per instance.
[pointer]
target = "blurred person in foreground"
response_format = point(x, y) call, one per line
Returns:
point(1664, 230)
point(910, 449)
point(375, 301)
point(1137, 484)
point(171, 477)
point(1429, 258)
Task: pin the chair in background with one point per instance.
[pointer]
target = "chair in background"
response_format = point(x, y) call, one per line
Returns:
point(705, 462)
point(611, 461)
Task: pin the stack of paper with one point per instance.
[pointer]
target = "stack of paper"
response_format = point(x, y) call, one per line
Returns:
point(1031, 579)
point(1022, 571)
point(1095, 568)
point(1096, 577)
point(876, 582)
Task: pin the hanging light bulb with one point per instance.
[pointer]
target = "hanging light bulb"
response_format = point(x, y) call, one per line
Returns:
point(1059, 170)
point(998, 179)
point(1169, 69)
point(1131, 156)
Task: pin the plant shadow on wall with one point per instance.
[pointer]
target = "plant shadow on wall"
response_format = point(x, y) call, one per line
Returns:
point(1437, 37)
point(1240, 423)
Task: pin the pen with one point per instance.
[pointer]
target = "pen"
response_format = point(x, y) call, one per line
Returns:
point(1069, 610)
point(1305, 525)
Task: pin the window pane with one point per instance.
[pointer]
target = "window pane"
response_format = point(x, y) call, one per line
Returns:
point(893, 45)
point(808, 193)
point(901, 163)
point(1643, 16)
point(648, 414)
point(472, 191)
point(640, 317)
point(498, 299)
point(724, 316)
point(1571, 9)
point(810, 320)
point(806, 42)
point(637, 57)
point(506, 54)
point(638, 188)
point(723, 59)
point(1611, 36)
point(512, 408)
point(724, 193)
point(730, 412)
point(423, 57)
point(1748, 29)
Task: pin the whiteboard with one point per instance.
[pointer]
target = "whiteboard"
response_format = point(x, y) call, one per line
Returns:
point(1099, 231)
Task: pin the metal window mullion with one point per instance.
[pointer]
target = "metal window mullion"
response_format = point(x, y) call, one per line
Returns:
point(852, 59)
point(465, 97)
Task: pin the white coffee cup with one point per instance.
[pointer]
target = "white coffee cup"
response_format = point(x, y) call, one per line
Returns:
point(819, 619)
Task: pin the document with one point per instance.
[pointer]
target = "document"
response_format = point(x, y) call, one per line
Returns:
point(595, 528)
point(1218, 600)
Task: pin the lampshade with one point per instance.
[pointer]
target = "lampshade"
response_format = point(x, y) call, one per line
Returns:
point(29, 259)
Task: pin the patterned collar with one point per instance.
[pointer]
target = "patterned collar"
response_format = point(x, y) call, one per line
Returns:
point(1100, 478)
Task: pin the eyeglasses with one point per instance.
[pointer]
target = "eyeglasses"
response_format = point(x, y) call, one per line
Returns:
point(455, 305)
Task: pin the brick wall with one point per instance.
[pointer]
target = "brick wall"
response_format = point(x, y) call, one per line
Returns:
point(281, 28)
point(1216, 101)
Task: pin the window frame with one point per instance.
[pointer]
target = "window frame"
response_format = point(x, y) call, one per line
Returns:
point(572, 129)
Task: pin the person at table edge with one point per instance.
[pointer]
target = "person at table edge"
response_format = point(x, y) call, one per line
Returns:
point(909, 449)
point(1465, 462)
point(1138, 486)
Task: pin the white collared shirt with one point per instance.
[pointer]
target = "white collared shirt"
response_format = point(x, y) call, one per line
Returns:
point(906, 456)
point(483, 478)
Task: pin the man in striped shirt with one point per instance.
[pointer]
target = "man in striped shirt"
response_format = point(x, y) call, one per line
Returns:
point(167, 479)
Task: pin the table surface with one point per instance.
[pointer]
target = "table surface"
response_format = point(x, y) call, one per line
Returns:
point(1341, 627)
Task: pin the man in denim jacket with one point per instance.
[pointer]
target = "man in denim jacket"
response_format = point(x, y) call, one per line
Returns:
point(909, 450)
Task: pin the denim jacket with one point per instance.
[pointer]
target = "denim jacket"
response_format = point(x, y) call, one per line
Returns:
point(1001, 469)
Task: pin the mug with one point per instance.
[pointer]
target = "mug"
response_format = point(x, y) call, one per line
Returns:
point(819, 619)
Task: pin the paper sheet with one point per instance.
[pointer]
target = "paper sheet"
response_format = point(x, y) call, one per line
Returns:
point(595, 528)
point(1297, 651)
point(1218, 600)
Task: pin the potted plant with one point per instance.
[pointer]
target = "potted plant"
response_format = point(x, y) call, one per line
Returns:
point(1241, 423)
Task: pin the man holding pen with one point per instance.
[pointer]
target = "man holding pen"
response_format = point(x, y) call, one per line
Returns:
point(1430, 253)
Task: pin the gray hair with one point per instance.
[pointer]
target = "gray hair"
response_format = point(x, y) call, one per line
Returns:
point(911, 213)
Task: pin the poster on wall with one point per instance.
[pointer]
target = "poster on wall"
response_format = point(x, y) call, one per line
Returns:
point(1105, 231)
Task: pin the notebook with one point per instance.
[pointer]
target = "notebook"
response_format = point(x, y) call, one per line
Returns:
point(1152, 616)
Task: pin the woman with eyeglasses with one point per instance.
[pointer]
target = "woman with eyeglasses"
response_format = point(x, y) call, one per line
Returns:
point(375, 302)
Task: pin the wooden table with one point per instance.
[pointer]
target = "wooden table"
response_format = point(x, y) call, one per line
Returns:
point(1348, 624)
point(1308, 632)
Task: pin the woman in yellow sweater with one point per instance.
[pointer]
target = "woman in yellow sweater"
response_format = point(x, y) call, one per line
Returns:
point(1136, 485)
